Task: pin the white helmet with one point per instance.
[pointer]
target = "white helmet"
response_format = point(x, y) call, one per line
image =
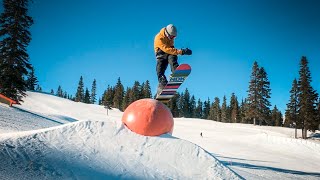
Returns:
point(171, 30)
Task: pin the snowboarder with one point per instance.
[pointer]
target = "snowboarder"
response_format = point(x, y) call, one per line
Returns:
point(166, 53)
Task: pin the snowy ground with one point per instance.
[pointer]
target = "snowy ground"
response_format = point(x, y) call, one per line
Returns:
point(254, 152)
point(86, 141)
point(96, 146)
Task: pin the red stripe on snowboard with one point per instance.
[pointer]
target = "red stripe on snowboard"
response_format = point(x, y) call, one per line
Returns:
point(183, 67)
point(171, 87)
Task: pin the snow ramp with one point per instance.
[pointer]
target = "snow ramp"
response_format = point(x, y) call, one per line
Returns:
point(104, 150)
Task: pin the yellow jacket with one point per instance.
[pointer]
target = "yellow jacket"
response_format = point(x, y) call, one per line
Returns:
point(161, 41)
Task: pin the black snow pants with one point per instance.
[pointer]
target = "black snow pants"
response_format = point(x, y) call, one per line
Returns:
point(163, 59)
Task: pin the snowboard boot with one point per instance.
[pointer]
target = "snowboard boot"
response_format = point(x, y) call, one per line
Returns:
point(162, 83)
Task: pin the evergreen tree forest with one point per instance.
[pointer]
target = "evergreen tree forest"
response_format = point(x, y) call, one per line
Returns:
point(119, 97)
point(303, 108)
point(254, 109)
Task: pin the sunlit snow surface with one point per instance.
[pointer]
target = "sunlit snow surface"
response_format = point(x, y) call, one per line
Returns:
point(54, 138)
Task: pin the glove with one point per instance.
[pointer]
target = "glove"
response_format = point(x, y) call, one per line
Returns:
point(186, 51)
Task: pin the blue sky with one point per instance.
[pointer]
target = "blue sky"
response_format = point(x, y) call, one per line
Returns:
point(114, 38)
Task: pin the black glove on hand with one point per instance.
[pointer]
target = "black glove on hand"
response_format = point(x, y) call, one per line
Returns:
point(186, 51)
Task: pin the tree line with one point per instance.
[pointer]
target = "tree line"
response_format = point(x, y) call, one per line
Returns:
point(303, 108)
point(119, 97)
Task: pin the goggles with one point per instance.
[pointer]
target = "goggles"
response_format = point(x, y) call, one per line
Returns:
point(170, 36)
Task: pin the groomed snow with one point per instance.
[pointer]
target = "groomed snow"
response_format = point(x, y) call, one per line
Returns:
point(96, 146)
point(54, 138)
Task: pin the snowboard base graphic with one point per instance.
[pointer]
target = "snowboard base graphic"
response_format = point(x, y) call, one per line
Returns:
point(176, 79)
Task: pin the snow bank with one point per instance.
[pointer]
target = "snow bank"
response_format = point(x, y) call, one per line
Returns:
point(104, 149)
point(93, 143)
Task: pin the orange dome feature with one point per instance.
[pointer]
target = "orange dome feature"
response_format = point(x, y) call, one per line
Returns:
point(148, 117)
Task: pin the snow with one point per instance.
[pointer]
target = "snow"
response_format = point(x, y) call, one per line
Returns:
point(96, 146)
point(53, 138)
point(254, 152)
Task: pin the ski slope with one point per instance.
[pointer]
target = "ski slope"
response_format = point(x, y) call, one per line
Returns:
point(53, 138)
point(95, 146)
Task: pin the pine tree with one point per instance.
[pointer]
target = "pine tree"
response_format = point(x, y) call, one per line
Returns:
point(132, 96)
point(51, 92)
point(228, 113)
point(279, 119)
point(136, 91)
point(59, 92)
point(274, 114)
point(292, 111)
point(65, 95)
point(193, 106)
point(126, 99)
point(31, 80)
point(264, 95)
point(307, 99)
point(118, 95)
point(243, 111)
point(186, 109)
point(224, 110)
point(93, 92)
point(174, 105)
point(87, 96)
point(211, 112)
point(215, 110)
point(198, 111)
point(103, 98)
point(146, 90)
point(234, 109)
point(206, 109)
point(258, 96)
point(108, 96)
point(15, 37)
point(253, 94)
point(80, 91)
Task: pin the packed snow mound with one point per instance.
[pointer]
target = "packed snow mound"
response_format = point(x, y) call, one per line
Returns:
point(104, 149)
point(79, 149)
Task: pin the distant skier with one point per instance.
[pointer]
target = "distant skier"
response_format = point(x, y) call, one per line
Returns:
point(201, 134)
point(166, 53)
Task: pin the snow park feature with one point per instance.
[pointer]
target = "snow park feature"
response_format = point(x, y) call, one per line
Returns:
point(6, 100)
point(148, 117)
point(96, 146)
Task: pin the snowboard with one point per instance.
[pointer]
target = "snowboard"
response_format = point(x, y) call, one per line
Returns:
point(176, 79)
